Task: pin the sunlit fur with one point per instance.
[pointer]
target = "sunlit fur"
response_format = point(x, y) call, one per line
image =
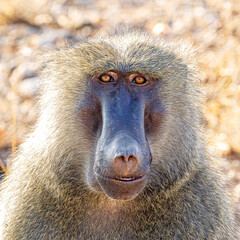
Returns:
point(46, 195)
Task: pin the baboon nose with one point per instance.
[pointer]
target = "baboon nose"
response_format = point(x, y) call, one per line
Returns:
point(125, 165)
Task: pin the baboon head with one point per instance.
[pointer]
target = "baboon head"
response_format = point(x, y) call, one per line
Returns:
point(123, 114)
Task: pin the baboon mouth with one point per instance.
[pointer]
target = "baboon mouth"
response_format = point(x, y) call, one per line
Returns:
point(126, 179)
point(122, 188)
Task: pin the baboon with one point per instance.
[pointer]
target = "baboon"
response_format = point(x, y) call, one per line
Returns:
point(118, 150)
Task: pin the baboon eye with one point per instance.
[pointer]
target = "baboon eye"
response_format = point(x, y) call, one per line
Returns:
point(139, 80)
point(106, 78)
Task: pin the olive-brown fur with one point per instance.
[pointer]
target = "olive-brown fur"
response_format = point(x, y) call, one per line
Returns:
point(46, 196)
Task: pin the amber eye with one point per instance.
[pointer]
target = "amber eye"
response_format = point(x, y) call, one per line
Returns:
point(106, 78)
point(139, 80)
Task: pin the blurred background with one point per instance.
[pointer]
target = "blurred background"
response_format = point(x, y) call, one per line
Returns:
point(213, 26)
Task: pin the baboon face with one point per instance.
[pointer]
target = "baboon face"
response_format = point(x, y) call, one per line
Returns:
point(123, 114)
point(119, 108)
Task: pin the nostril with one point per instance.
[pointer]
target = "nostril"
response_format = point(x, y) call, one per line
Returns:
point(131, 158)
point(122, 158)
point(126, 158)
point(125, 164)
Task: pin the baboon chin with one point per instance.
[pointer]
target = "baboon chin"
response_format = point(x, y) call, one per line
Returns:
point(120, 119)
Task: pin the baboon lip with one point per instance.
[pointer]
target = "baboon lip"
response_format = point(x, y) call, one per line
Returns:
point(126, 179)
point(122, 188)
